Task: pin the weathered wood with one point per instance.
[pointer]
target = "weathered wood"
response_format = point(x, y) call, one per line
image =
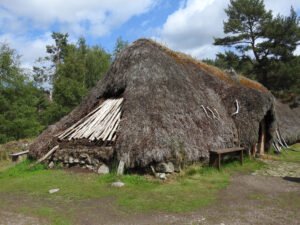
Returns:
point(262, 138)
point(90, 116)
point(215, 156)
point(205, 111)
point(114, 130)
point(18, 156)
point(100, 124)
point(237, 108)
point(65, 132)
point(214, 116)
point(19, 153)
point(218, 115)
point(47, 155)
point(110, 125)
point(227, 150)
point(121, 167)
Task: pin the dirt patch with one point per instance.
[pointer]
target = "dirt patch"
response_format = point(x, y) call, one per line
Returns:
point(18, 219)
point(280, 169)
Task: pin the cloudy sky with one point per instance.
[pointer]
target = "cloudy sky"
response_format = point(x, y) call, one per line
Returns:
point(184, 25)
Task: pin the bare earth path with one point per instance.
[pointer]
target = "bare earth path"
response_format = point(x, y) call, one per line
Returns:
point(258, 198)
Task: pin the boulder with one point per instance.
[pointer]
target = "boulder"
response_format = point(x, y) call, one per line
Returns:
point(89, 167)
point(103, 169)
point(95, 162)
point(71, 160)
point(161, 176)
point(51, 191)
point(83, 156)
point(165, 168)
point(117, 184)
point(51, 165)
point(88, 160)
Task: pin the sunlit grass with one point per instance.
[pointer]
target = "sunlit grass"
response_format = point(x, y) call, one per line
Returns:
point(195, 187)
point(291, 154)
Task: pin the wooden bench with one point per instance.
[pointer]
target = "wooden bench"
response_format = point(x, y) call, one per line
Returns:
point(215, 156)
point(18, 156)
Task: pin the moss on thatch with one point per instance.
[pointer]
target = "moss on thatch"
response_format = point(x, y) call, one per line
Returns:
point(163, 117)
point(187, 59)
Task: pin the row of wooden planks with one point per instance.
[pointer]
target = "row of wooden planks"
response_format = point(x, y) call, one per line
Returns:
point(99, 124)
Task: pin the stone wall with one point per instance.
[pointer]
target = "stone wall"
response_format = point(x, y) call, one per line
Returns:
point(94, 158)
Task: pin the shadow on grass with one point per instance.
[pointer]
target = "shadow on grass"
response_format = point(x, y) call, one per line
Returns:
point(292, 179)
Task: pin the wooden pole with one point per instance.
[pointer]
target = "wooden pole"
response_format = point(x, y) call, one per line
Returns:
point(262, 138)
point(47, 155)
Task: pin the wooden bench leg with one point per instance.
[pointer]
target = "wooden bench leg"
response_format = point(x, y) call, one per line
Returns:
point(212, 159)
point(241, 157)
point(215, 160)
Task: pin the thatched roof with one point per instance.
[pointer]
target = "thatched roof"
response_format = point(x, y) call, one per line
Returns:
point(175, 108)
point(288, 122)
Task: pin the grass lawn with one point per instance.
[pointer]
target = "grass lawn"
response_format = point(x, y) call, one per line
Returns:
point(289, 155)
point(195, 187)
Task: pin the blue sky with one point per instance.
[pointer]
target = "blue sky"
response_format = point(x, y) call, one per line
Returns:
point(185, 25)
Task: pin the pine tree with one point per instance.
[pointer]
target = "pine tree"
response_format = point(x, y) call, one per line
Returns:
point(19, 99)
point(253, 31)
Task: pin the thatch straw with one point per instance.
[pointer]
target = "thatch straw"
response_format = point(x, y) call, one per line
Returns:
point(288, 122)
point(162, 116)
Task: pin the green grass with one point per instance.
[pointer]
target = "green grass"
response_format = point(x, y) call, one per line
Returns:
point(48, 213)
point(289, 155)
point(197, 186)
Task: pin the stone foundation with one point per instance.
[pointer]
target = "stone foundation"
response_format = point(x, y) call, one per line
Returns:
point(89, 157)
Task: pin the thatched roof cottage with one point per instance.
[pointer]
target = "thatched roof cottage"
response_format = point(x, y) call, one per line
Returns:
point(156, 105)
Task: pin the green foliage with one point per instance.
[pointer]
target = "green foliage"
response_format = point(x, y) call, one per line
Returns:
point(58, 51)
point(69, 87)
point(245, 24)
point(97, 63)
point(229, 59)
point(72, 70)
point(120, 45)
point(20, 100)
point(253, 31)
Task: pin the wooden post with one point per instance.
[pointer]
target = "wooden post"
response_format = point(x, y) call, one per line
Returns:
point(45, 156)
point(262, 138)
point(241, 157)
point(219, 161)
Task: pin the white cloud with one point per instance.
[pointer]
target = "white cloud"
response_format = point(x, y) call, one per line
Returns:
point(192, 27)
point(26, 25)
point(282, 7)
point(29, 49)
point(93, 17)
